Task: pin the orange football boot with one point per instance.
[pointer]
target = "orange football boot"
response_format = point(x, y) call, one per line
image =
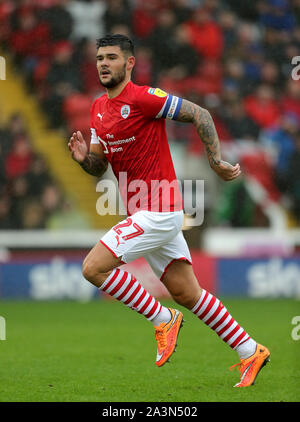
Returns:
point(251, 366)
point(166, 337)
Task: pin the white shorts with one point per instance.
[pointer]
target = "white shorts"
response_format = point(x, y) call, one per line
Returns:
point(156, 236)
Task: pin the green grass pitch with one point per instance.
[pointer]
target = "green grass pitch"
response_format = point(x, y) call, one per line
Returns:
point(102, 351)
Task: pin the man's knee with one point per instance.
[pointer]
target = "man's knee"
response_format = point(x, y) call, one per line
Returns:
point(98, 264)
point(88, 270)
point(181, 282)
point(186, 297)
point(93, 272)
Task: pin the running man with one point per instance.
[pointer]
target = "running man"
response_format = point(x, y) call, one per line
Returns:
point(128, 131)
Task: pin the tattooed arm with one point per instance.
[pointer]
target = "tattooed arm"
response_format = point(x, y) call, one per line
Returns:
point(203, 122)
point(93, 162)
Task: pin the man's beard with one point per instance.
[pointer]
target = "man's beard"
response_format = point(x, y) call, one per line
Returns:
point(115, 80)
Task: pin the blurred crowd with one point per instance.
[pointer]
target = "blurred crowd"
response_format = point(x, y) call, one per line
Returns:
point(28, 192)
point(29, 197)
point(233, 57)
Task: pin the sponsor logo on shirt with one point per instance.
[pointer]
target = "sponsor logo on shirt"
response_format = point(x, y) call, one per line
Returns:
point(158, 92)
point(119, 149)
point(121, 141)
point(112, 144)
point(125, 111)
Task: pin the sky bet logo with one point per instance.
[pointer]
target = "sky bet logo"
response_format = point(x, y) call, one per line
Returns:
point(2, 69)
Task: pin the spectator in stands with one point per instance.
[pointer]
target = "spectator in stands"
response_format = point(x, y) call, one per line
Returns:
point(182, 10)
point(144, 18)
point(5, 212)
point(234, 75)
point(63, 69)
point(290, 101)
point(19, 193)
point(244, 9)
point(205, 34)
point(38, 176)
point(270, 74)
point(87, 18)
point(5, 140)
point(282, 140)
point(122, 29)
point(248, 39)
point(143, 71)
point(60, 20)
point(160, 41)
point(235, 206)
point(263, 106)
point(6, 9)
point(51, 198)
point(183, 55)
point(228, 24)
point(32, 215)
point(62, 80)
point(295, 4)
point(118, 12)
point(240, 126)
point(18, 161)
point(2, 166)
point(31, 39)
point(276, 14)
point(88, 71)
point(253, 62)
point(16, 125)
point(273, 45)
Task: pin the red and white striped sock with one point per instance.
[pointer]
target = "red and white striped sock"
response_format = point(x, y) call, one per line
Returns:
point(214, 314)
point(125, 288)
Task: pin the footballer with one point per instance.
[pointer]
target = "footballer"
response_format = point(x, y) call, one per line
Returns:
point(128, 132)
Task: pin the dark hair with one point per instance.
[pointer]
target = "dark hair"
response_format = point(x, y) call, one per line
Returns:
point(125, 43)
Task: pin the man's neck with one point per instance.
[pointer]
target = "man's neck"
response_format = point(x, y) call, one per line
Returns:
point(116, 90)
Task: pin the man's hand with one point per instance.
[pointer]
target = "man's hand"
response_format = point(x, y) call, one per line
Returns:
point(78, 147)
point(226, 171)
point(93, 162)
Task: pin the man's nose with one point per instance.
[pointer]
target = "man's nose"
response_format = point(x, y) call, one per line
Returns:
point(104, 63)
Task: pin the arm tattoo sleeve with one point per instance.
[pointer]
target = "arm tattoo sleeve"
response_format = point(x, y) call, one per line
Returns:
point(94, 165)
point(202, 120)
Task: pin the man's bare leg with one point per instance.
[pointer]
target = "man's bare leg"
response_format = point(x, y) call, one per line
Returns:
point(100, 267)
point(183, 285)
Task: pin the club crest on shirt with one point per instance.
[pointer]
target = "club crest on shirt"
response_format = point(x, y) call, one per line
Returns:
point(125, 111)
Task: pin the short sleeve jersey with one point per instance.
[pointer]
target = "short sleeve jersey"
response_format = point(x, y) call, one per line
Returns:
point(131, 130)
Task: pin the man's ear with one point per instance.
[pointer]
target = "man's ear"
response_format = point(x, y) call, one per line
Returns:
point(130, 62)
